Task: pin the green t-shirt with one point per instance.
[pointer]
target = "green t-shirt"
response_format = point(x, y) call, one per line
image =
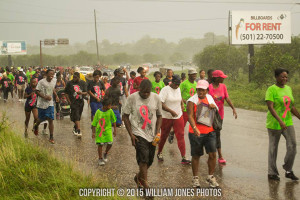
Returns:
point(29, 75)
point(188, 90)
point(156, 87)
point(103, 123)
point(11, 77)
point(283, 102)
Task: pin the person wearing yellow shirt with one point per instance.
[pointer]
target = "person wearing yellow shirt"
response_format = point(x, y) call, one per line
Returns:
point(82, 77)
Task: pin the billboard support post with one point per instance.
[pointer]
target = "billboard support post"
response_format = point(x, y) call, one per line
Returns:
point(41, 55)
point(250, 62)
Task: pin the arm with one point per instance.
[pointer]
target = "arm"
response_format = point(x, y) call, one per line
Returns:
point(295, 112)
point(182, 105)
point(129, 130)
point(126, 91)
point(56, 96)
point(48, 98)
point(191, 117)
point(231, 105)
point(94, 96)
point(275, 115)
point(93, 131)
point(158, 124)
point(115, 129)
point(127, 76)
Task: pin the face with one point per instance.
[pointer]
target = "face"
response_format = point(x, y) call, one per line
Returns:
point(59, 78)
point(120, 75)
point(50, 75)
point(202, 74)
point(157, 77)
point(220, 80)
point(143, 73)
point(96, 78)
point(132, 76)
point(170, 73)
point(33, 83)
point(76, 78)
point(201, 93)
point(192, 77)
point(282, 78)
point(107, 107)
point(145, 93)
point(174, 86)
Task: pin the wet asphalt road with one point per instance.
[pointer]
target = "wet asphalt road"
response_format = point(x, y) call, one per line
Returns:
point(244, 145)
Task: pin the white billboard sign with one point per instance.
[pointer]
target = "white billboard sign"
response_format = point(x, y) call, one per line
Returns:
point(13, 48)
point(260, 27)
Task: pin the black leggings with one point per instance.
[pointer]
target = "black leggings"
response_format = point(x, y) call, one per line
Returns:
point(218, 138)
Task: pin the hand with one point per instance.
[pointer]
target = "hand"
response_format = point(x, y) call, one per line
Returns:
point(234, 113)
point(48, 98)
point(115, 133)
point(124, 69)
point(282, 125)
point(133, 140)
point(79, 92)
point(93, 135)
point(98, 99)
point(212, 106)
point(174, 114)
point(196, 131)
point(57, 99)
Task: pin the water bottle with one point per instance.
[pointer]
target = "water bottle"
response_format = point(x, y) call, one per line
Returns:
point(156, 139)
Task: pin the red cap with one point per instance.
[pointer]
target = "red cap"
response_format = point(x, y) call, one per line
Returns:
point(218, 73)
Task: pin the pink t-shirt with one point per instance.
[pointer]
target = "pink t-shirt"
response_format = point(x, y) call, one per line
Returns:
point(130, 84)
point(219, 94)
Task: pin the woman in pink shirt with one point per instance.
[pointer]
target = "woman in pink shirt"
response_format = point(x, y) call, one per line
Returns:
point(219, 93)
point(130, 82)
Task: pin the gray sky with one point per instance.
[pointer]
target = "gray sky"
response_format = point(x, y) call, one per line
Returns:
point(74, 19)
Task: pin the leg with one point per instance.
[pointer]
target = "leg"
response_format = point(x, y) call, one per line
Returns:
point(51, 128)
point(27, 115)
point(45, 126)
point(195, 165)
point(100, 151)
point(165, 130)
point(179, 133)
point(291, 149)
point(185, 118)
point(211, 163)
point(274, 137)
point(108, 147)
point(35, 115)
point(218, 140)
point(143, 173)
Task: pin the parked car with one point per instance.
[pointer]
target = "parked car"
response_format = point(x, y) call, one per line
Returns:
point(86, 70)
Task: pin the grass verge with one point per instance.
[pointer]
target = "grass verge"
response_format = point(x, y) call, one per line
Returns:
point(30, 172)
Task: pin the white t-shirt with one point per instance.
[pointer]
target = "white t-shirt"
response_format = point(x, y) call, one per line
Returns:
point(46, 88)
point(172, 99)
point(143, 114)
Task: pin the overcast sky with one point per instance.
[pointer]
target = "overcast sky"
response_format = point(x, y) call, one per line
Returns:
point(125, 20)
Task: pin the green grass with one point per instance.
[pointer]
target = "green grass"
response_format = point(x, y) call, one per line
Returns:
point(30, 172)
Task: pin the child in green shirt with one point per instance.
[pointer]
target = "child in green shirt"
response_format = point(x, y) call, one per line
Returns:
point(102, 129)
point(157, 85)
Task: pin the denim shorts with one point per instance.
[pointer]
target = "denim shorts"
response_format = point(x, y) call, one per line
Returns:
point(204, 140)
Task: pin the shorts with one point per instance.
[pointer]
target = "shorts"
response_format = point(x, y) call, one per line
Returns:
point(29, 108)
point(118, 116)
point(21, 87)
point(204, 140)
point(47, 113)
point(145, 151)
point(95, 106)
point(102, 144)
point(76, 111)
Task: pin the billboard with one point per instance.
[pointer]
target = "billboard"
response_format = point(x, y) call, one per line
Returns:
point(13, 48)
point(259, 27)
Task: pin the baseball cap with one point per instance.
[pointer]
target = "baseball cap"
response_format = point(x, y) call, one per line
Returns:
point(120, 70)
point(176, 79)
point(21, 70)
point(203, 84)
point(192, 71)
point(219, 73)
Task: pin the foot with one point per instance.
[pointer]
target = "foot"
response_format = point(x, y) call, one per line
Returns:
point(273, 177)
point(26, 133)
point(196, 183)
point(79, 134)
point(212, 181)
point(35, 130)
point(101, 162)
point(137, 181)
point(74, 131)
point(291, 175)
point(222, 161)
point(184, 161)
point(160, 157)
point(105, 157)
point(51, 140)
point(171, 137)
point(44, 132)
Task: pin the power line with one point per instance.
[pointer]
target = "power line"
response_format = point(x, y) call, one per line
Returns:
point(207, 1)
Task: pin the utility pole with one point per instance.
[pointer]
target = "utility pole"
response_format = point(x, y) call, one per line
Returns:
point(41, 55)
point(250, 63)
point(98, 60)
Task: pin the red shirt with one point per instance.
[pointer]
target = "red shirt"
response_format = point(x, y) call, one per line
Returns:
point(138, 81)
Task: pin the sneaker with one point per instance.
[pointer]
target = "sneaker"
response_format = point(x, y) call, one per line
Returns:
point(291, 175)
point(51, 140)
point(222, 161)
point(273, 177)
point(184, 161)
point(101, 162)
point(171, 137)
point(35, 130)
point(44, 132)
point(212, 182)
point(74, 131)
point(160, 157)
point(79, 134)
point(196, 183)
point(105, 157)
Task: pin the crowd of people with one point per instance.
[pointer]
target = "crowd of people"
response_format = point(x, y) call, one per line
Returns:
point(150, 110)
